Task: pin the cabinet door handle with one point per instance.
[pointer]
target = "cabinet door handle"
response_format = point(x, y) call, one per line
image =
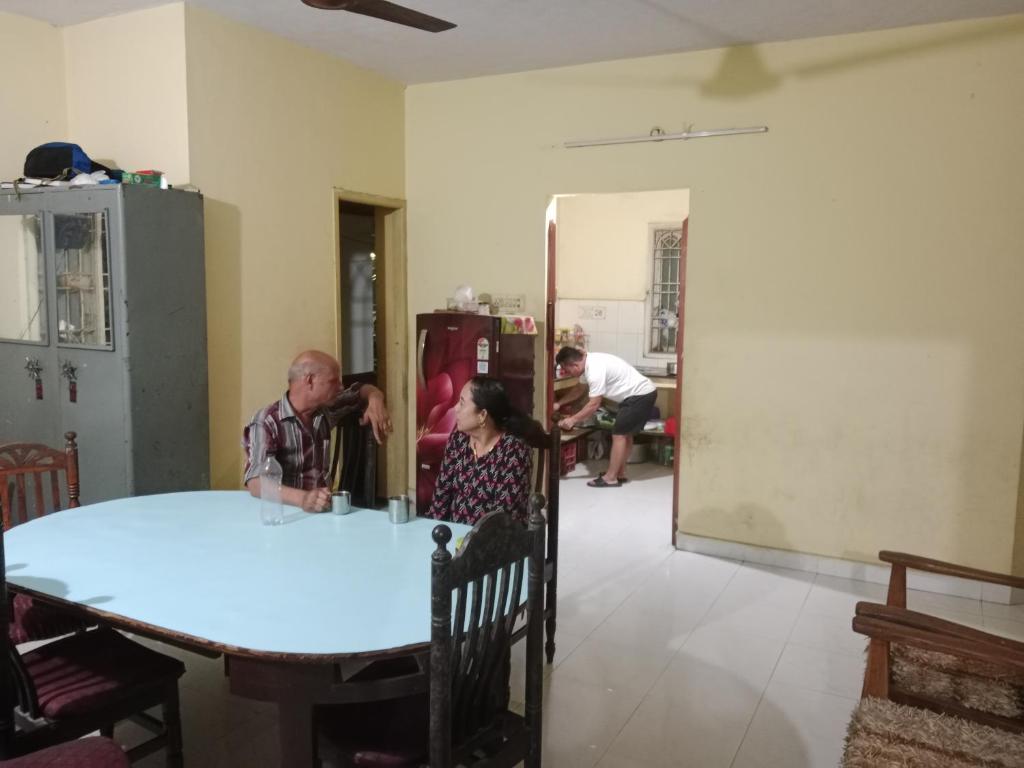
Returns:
point(422, 348)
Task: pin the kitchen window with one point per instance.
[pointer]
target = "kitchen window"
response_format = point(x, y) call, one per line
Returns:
point(663, 297)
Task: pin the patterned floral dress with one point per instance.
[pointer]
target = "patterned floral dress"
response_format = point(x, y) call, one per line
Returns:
point(469, 487)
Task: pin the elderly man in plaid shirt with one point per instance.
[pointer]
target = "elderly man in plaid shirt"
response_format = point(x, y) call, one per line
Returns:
point(296, 429)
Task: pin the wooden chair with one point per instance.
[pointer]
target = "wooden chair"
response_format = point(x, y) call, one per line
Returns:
point(24, 464)
point(464, 720)
point(355, 451)
point(942, 666)
point(86, 682)
point(968, 676)
point(900, 562)
point(547, 476)
point(92, 752)
point(27, 472)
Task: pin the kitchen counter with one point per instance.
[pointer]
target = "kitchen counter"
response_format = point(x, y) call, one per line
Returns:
point(661, 382)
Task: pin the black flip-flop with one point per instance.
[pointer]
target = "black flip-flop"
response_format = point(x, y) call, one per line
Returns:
point(623, 480)
point(599, 482)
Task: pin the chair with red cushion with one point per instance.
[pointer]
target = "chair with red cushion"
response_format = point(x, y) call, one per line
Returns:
point(86, 682)
point(465, 718)
point(92, 752)
point(29, 472)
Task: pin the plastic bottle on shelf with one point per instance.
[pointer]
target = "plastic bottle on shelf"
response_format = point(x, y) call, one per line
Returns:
point(271, 509)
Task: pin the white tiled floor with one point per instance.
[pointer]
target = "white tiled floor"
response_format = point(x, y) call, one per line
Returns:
point(665, 658)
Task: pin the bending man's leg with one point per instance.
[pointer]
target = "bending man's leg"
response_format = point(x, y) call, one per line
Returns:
point(617, 461)
point(625, 460)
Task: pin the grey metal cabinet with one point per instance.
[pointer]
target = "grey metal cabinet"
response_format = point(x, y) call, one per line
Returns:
point(103, 331)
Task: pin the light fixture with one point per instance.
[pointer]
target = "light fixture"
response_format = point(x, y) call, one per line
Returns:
point(657, 134)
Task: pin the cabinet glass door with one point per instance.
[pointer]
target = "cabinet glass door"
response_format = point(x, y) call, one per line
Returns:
point(82, 261)
point(29, 394)
point(23, 286)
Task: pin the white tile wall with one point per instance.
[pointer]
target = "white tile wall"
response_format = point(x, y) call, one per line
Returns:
point(615, 327)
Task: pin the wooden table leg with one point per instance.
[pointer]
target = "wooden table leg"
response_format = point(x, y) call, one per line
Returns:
point(298, 739)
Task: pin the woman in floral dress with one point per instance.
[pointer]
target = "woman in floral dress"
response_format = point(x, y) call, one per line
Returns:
point(487, 462)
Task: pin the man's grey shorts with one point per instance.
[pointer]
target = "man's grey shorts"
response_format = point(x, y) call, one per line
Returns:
point(634, 413)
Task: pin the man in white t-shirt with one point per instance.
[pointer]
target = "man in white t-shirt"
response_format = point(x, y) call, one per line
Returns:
point(611, 377)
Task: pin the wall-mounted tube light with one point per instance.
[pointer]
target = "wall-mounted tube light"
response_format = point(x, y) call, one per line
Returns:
point(657, 134)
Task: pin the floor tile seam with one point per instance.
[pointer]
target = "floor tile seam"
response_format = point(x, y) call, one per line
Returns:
point(591, 632)
point(830, 649)
point(853, 699)
point(746, 730)
point(718, 597)
point(764, 690)
point(800, 611)
point(632, 713)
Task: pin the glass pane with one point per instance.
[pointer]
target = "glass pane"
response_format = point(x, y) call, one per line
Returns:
point(665, 291)
point(83, 279)
point(23, 285)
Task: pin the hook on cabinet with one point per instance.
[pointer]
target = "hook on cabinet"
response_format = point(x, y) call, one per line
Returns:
point(35, 372)
point(70, 372)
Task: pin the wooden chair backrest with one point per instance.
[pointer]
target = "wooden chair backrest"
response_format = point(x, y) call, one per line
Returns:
point(470, 644)
point(28, 471)
point(355, 452)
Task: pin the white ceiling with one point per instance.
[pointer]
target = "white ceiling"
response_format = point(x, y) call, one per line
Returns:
point(497, 36)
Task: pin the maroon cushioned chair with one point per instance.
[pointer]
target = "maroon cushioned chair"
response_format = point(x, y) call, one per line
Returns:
point(86, 682)
point(464, 719)
point(27, 472)
point(92, 752)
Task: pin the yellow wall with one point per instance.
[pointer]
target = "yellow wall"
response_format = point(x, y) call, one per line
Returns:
point(273, 129)
point(604, 241)
point(126, 90)
point(854, 356)
point(31, 91)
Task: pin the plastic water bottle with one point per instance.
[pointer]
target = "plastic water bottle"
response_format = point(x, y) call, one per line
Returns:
point(271, 510)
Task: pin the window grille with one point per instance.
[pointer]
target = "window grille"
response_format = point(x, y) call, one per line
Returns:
point(664, 304)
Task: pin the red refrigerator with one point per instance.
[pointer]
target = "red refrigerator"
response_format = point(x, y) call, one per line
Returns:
point(452, 347)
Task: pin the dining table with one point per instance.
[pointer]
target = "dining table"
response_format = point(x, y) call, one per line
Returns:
point(301, 611)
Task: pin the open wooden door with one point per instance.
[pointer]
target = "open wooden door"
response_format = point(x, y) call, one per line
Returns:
point(677, 460)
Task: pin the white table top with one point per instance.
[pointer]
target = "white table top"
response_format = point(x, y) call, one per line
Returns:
point(200, 564)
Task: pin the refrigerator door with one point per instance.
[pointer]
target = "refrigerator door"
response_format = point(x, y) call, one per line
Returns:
point(515, 369)
point(451, 349)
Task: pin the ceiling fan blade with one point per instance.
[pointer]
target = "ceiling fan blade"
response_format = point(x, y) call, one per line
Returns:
point(382, 9)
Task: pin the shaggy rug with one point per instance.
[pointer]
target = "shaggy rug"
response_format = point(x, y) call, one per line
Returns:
point(883, 734)
point(974, 684)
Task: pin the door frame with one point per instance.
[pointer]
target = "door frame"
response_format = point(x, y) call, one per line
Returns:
point(393, 307)
point(551, 297)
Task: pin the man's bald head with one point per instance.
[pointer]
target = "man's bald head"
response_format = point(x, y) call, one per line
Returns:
point(312, 362)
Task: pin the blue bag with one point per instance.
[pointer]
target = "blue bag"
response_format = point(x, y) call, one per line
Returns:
point(59, 160)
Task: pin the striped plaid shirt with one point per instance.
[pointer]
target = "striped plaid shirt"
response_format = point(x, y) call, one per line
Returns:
point(303, 453)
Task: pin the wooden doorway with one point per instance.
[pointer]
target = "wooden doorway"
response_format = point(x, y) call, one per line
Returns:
point(662, 315)
point(371, 320)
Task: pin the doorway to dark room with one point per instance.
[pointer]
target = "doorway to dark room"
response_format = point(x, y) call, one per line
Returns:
point(372, 316)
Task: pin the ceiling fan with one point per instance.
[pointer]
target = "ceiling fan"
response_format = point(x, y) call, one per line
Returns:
point(382, 9)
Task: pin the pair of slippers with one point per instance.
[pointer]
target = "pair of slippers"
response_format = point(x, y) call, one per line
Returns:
point(599, 482)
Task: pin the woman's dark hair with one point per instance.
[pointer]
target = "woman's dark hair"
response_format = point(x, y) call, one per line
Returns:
point(489, 395)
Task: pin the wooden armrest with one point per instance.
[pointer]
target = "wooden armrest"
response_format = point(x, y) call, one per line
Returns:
point(888, 631)
point(949, 569)
point(925, 623)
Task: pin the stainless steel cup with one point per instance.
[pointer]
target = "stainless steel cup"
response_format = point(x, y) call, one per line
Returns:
point(398, 509)
point(341, 502)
